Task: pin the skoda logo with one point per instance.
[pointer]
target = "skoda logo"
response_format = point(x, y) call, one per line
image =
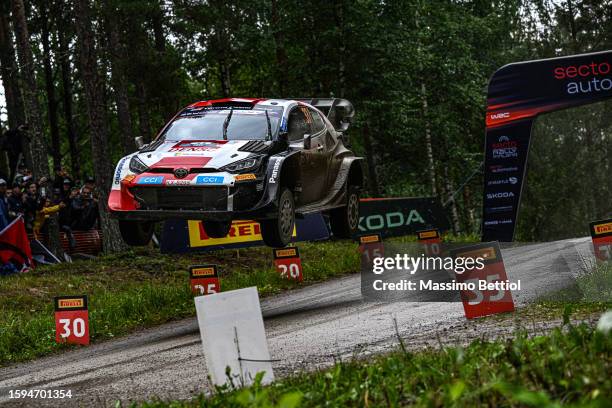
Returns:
point(180, 173)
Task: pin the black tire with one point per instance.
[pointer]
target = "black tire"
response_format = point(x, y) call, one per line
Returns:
point(277, 232)
point(136, 233)
point(345, 220)
point(217, 229)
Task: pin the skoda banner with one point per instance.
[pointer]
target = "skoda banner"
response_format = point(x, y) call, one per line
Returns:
point(517, 94)
point(385, 216)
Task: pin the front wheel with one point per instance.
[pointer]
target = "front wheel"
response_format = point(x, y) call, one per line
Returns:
point(217, 229)
point(345, 220)
point(136, 233)
point(277, 232)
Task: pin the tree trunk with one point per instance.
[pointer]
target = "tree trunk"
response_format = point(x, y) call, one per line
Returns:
point(10, 80)
point(339, 11)
point(144, 121)
point(51, 99)
point(371, 160)
point(279, 46)
point(451, 201)
point(94, 97)
point(431, 165)
point(120, 84)
point(40, 164)
point(38, 151)
point(66, 72)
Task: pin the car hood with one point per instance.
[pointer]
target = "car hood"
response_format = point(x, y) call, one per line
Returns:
point(200, 153)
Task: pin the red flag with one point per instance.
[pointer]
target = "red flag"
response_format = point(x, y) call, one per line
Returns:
point(14, 244)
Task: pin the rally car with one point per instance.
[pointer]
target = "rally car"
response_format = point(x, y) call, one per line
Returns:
point(268, 160)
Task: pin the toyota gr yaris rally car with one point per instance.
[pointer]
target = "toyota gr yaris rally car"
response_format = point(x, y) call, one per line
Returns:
point(261, 159)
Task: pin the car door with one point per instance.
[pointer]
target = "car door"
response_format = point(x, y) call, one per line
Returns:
point(312, 175)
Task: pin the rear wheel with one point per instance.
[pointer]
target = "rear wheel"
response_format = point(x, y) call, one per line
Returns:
point(277, 232)
point(136, 233)
point(217, 229)
point(345, 220)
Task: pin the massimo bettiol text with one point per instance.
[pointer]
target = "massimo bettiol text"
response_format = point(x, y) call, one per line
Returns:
point(416, 276)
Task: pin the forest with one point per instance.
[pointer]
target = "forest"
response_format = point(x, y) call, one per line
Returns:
point(82, 78)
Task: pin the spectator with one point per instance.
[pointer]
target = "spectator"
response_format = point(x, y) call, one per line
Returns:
point(32, 203)
point(66, 188)
point(40, 220)
point(15, 203)
point(85, 210)
point(4, 212)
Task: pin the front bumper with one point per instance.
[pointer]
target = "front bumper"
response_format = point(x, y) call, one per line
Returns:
point(215, 202)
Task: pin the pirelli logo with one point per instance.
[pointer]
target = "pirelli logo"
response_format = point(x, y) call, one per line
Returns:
point(286, 253)
point(428, 234)
point(203, 271)
point(70, 303)
point(245, 177)
point(602, 229)
point(369, 239)
point(489, 252)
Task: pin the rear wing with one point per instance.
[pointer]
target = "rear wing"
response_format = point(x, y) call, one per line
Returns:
point(340, 112)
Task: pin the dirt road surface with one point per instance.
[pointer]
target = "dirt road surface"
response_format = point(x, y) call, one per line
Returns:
point(307, 329)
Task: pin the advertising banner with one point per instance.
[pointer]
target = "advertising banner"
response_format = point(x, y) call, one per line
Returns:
point(391, 217)
point(517, 94)
point(388, 217)
point(601, 232)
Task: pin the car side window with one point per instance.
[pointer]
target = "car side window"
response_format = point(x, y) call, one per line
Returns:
point(297, 125)
point(317, 121)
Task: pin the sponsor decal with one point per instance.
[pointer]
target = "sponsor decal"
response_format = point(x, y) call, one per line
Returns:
point(503, 169)
point(601, 233)
point(389, 220)
point(489, 295)
point(500, 115)
point(501, 194)
point(209, 180)
point(368, 239)
point(178, 182)
point(499, 222)
point(508, 180)
point(431, 241)
point(196, 146)
point(71, 320)
point(240, 232)
point(204, 279)
point(505, 208)
point(584, 78)
point(288, 263)
point(244, 177)
point(150, 180)
point(602, 229)
point(505, 148)
point(275, 170)
point(117, 178)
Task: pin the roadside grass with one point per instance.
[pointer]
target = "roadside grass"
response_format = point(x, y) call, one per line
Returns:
point(570, 366)
point(141, 288)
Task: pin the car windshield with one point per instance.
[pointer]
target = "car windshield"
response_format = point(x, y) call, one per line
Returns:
point(206, 123)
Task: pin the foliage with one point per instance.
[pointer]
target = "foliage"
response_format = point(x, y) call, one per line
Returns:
point(570, 366)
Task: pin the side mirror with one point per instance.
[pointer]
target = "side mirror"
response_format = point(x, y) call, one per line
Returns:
point(307, 141)
point(139, 140)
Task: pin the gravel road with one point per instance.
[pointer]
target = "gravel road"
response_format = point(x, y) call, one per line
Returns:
point(306, 328)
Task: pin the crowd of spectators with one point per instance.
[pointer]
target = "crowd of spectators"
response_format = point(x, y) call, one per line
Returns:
point(75, 202)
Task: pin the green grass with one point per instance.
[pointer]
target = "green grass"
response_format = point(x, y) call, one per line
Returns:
point(142, 288)
point(570, 366)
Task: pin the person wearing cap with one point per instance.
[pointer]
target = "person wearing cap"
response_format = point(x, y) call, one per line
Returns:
point(4, 216)
point(15, 202)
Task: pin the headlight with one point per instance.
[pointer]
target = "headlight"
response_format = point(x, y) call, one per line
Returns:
point(250, 163)
point(137, 166)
